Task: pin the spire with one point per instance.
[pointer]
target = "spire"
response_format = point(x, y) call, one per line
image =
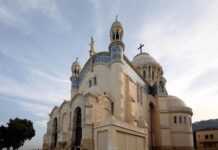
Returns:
point(92, 47)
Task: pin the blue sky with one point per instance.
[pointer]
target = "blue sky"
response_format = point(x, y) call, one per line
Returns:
point(39, 40)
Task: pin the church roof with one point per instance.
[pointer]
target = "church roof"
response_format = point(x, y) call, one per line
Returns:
point(104, 58)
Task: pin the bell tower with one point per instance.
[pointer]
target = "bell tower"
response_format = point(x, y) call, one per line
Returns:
point(75, 77)
point(116, 46)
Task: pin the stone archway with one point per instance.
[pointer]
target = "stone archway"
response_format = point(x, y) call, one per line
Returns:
point(77, 129)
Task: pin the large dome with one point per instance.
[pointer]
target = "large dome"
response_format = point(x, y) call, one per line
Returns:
point(144, 59)
point(174, 102)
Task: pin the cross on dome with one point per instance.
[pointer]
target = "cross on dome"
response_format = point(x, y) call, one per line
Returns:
point(141, 47)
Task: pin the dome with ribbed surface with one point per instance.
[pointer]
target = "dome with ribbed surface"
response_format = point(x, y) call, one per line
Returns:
point(144, 59)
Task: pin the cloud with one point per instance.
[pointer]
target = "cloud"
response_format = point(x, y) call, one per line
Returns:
point(39, 110)
point(6, 16)
point(34, 84)
point(24, 14)
point(207, 80)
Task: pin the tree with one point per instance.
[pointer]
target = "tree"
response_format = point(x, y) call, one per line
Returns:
point(2, 136)
point(16, 133)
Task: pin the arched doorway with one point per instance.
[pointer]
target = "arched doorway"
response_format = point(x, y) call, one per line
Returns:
point(55, 132)
point(151, 126)
point(77, 129)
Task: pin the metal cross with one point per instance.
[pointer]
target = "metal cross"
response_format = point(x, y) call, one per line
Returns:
point(140, 47)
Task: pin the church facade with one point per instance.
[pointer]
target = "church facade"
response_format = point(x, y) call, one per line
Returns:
point(118, 104)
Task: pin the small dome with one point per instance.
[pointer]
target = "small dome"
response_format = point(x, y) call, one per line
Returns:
point(144, 59)
point(116, 32)
point(116, 24)
point(75, 66)
point(173, 101)
point(173, 104)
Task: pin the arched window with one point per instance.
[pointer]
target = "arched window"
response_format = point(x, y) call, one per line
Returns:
point(149, 71)
point(112, 108)
point(117, 35)
point(175, 119)
point(211, 136)
point(90, 83)
point(190, 121)
point(180, 119)
point(144, 74)
point(185, 119)
point(113, 36)
point(95, 80)
point(152, 75)
point(77, 128)
point(55, 131)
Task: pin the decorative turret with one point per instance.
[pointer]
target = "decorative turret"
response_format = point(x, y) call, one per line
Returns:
point(116, 46)
point(92, 47)
point(162, 91)
point(75, 77)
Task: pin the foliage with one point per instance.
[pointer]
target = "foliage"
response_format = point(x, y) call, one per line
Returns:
point(16, 133)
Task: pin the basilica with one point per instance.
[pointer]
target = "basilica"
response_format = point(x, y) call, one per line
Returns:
point(119, 104)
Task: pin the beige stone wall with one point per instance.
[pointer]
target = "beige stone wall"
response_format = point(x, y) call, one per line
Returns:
point(114, 134)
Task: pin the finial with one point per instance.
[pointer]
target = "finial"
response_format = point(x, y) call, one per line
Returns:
point(77, 58)
point(140, 47)
point(116, 19)
point(92, 47)
point(92, 41)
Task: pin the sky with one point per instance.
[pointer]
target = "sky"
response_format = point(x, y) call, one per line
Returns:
point(39, 40)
